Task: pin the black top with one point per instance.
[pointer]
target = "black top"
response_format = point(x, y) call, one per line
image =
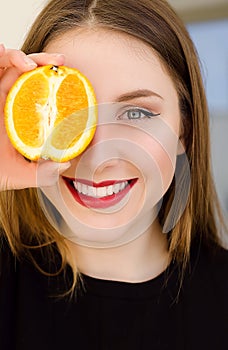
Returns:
point(111, 315)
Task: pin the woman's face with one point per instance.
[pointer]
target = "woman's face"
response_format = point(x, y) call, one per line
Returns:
point(129, 165)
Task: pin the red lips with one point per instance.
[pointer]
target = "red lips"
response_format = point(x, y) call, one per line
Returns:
point(98, 203)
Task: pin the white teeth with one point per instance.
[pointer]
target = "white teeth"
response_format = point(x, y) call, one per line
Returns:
point(84, 189)
point(116, 188)
point(99, 192)
point(79, 187)
point(92, 191)
point(122, 185)
point(110, 190)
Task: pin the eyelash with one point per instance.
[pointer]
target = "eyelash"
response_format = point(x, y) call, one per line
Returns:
point(147, 114)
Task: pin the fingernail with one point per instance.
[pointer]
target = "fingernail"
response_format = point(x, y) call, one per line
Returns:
point(64, 166)
point(29, 62)
point(59, 55)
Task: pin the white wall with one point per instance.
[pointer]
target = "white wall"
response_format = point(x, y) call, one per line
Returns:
point(15, 18)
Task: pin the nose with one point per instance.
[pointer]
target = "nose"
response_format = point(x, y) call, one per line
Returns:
point(102, 155)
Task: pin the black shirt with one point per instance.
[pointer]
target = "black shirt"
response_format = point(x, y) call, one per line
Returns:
point(112, 315)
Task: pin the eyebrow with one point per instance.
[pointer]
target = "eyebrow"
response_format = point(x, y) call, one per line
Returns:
point(137, 94)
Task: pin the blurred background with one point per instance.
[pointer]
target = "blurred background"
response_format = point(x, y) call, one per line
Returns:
point(207, 22)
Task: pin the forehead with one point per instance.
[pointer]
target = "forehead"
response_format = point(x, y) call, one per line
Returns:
point(112, 59)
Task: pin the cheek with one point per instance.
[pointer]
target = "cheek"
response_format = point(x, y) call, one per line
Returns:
point(166, 167)
point(163, 156)
point(149, 148)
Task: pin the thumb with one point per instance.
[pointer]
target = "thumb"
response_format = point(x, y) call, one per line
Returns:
point(48, 172)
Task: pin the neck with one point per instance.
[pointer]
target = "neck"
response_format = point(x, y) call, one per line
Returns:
point(137, 261)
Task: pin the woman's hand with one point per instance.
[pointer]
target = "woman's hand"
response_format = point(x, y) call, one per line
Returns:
point(15, 171)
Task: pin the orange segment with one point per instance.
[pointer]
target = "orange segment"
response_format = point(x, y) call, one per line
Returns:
point(51, 113)
point(27, 119)
point(67, 105)
point(69, 131)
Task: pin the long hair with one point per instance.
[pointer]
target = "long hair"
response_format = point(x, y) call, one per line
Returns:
point(155, 23)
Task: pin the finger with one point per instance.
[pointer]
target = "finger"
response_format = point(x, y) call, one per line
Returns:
point(18, 63)
point(7, 80)
point(32, 175)
point(47, 172)
point(2, 49)
point(22, 63)
point(15, 58)
point(44, 58)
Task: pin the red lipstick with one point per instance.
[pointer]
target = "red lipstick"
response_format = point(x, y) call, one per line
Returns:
point(99, 202)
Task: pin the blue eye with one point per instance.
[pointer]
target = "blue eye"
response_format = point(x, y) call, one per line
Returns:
point(137, 113)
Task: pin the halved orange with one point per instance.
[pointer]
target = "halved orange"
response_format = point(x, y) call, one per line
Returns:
point(51, 113)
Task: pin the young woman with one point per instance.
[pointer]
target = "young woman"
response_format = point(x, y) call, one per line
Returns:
point(120, 248)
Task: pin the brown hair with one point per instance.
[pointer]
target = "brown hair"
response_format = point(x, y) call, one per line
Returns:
point(154, 22)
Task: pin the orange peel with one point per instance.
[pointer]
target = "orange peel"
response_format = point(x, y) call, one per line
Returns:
point(51, 113)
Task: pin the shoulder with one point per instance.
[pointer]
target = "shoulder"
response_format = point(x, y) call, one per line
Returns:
point(8, 271)
point(214, 260)
point(203, 302)
point(208, 272)
point(218, 268)
point(6, 257)
point(209, 259)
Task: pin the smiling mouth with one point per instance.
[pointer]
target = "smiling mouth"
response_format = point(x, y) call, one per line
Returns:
point(98, 195)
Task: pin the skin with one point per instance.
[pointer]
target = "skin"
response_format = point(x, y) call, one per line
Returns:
point(15, 171)
point(107, 245)
point(128, 233)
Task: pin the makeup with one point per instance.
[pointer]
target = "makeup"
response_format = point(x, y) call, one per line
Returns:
point(98, 195)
